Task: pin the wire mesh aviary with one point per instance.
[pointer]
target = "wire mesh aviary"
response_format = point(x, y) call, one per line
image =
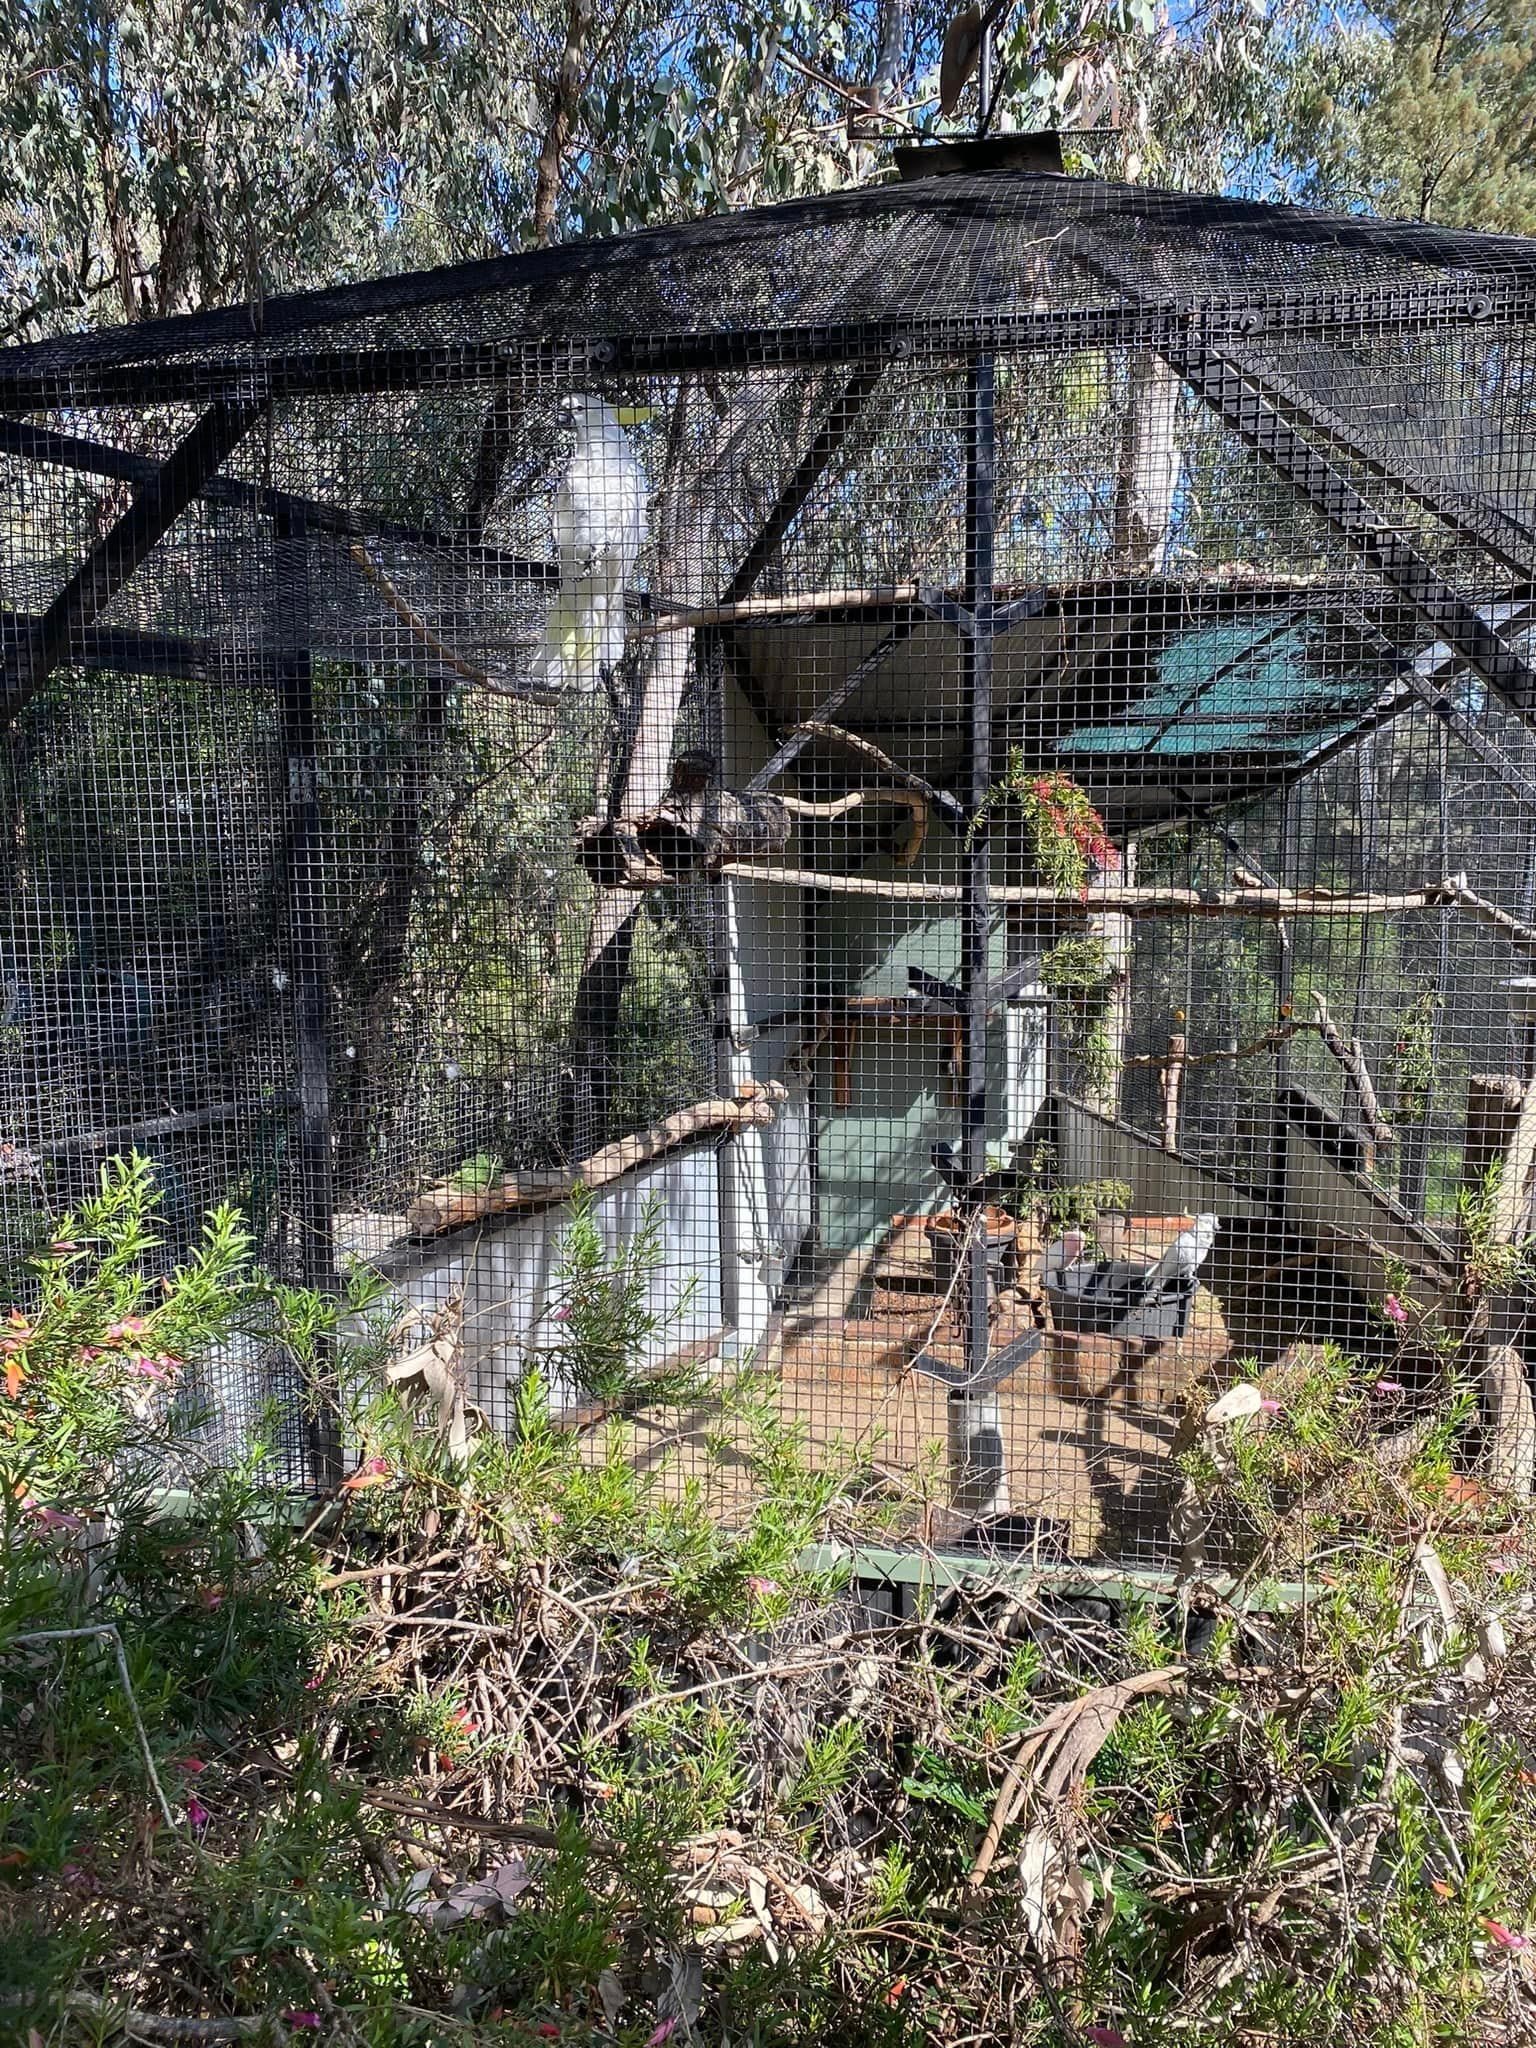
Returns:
point(942, 772)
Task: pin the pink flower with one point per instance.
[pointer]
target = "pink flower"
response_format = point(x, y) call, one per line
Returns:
point(191, 1764)
point(1268, 1407)
point(561, 1314)
point(301, 2019)
point(313, 1684)
point(372, 1472)
point(1104, 2037)
point(53, 1518)
point(662, 2033)
point(1501, 1936)
point(130, 1326)
point(1390, 1387)
point(1393, 1310)
point(148, 1368)
point(197, 1813)
point(763, 1589)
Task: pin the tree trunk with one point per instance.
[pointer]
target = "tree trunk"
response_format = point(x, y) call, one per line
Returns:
point(562, 115)
point(1149, 467)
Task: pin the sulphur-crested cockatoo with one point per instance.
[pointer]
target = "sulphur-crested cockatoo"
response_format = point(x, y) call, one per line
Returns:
point(1185, 1256)
point(599, 512)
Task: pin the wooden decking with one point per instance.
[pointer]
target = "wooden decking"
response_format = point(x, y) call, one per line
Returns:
point(1088, 1423)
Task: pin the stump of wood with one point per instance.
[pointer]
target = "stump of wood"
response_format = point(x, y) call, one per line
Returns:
point(689, 833)
point(1501, 1137)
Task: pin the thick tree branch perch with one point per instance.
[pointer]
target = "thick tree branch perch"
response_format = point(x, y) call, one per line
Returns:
point(1128, 901)
point(857, 799)
point(1351, 1057)
point(818, 729)
point(449, 1208)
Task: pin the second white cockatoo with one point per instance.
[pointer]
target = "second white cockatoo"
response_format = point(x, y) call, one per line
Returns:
point(1185, 1256)
point(599, 515)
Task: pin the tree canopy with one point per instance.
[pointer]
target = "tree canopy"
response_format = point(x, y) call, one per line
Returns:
point(156, 157)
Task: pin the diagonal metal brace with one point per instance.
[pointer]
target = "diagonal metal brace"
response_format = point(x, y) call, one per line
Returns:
point(115, 557)
point(1255, 421)
point(800, 738)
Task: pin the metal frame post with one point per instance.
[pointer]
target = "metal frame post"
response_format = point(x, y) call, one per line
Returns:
point(978, 1466)
point(309, 942)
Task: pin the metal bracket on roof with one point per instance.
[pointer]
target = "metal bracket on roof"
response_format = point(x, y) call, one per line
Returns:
point(982, 622)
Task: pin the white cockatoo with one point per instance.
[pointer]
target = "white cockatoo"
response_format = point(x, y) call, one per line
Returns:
point(600, 513)
point(1185, 1256)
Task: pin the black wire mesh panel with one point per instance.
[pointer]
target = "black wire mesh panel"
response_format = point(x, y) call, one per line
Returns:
point(918, 746)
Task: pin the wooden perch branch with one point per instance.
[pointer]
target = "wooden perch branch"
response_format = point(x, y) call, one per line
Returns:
point(447, 1207)
point(1129, 901)
point(1281, 1034)
point(684, 619)
point(1351, 1057)
point(856, 799)
point(689, 832)
point(819, 729)
point(1173, 1084)
point(1517, 932)
point(418, 625)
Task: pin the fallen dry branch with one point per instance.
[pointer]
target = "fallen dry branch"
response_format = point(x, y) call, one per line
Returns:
point(447, 1207)
point(1055, 1756)
point(106, 2019)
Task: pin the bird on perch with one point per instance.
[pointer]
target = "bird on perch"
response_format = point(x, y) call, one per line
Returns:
point(600, 506)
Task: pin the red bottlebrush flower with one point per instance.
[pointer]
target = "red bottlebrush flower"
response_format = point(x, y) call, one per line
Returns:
point(372, 1472)
point(144, 1368)
point(1502, 1936)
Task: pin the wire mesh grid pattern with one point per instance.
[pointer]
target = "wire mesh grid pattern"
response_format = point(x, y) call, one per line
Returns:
point(920, 746)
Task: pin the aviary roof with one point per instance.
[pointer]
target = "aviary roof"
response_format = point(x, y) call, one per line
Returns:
point(1024, 259)
point(1277, 684)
